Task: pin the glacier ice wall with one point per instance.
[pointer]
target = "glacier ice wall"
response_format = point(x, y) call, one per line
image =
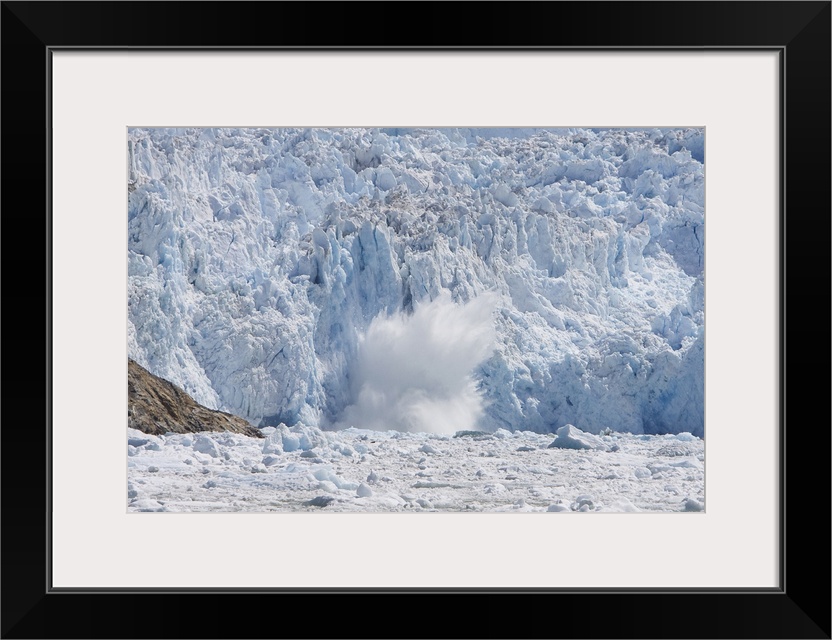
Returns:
point(258, 258)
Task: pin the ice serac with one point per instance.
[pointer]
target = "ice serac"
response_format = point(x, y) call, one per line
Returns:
point(258, 257)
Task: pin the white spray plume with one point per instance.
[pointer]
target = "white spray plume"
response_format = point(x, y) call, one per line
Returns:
point(413, 372)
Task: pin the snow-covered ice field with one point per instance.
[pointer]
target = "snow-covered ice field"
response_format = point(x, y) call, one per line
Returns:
point(305, 469)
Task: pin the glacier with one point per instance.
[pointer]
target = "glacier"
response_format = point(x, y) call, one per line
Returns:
point(263, 262)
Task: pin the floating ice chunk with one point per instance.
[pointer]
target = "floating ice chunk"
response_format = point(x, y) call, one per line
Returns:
point(144, 440)
point(363, 491)
point(283, 439)
point(583, 501)
point(274, 440)
point(205, 444)
point(426, 448)
point(693, 505)
point(671, 451)
point(558, 508)
point(495, 488)
point(687, 463)
point(476, 435)
point(148, 505)
point(319, 501)
point(291, 442)
point(657, 469)
point(623, 504)
point(570, 437)
point(327, 475)
point(309, 437)
point(270, 460)
point(343, 449)
point(686, 437)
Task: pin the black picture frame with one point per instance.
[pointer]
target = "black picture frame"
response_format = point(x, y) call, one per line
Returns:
point(798, 608)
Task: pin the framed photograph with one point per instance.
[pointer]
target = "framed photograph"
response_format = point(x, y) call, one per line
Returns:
point(417, 318)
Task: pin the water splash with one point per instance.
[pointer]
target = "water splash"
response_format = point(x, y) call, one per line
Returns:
point(414, 372)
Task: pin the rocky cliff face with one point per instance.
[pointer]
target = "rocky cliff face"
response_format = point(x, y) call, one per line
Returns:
point(157, 407)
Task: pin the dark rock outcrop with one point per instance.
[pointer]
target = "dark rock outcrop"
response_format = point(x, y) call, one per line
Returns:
point(157, 406)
